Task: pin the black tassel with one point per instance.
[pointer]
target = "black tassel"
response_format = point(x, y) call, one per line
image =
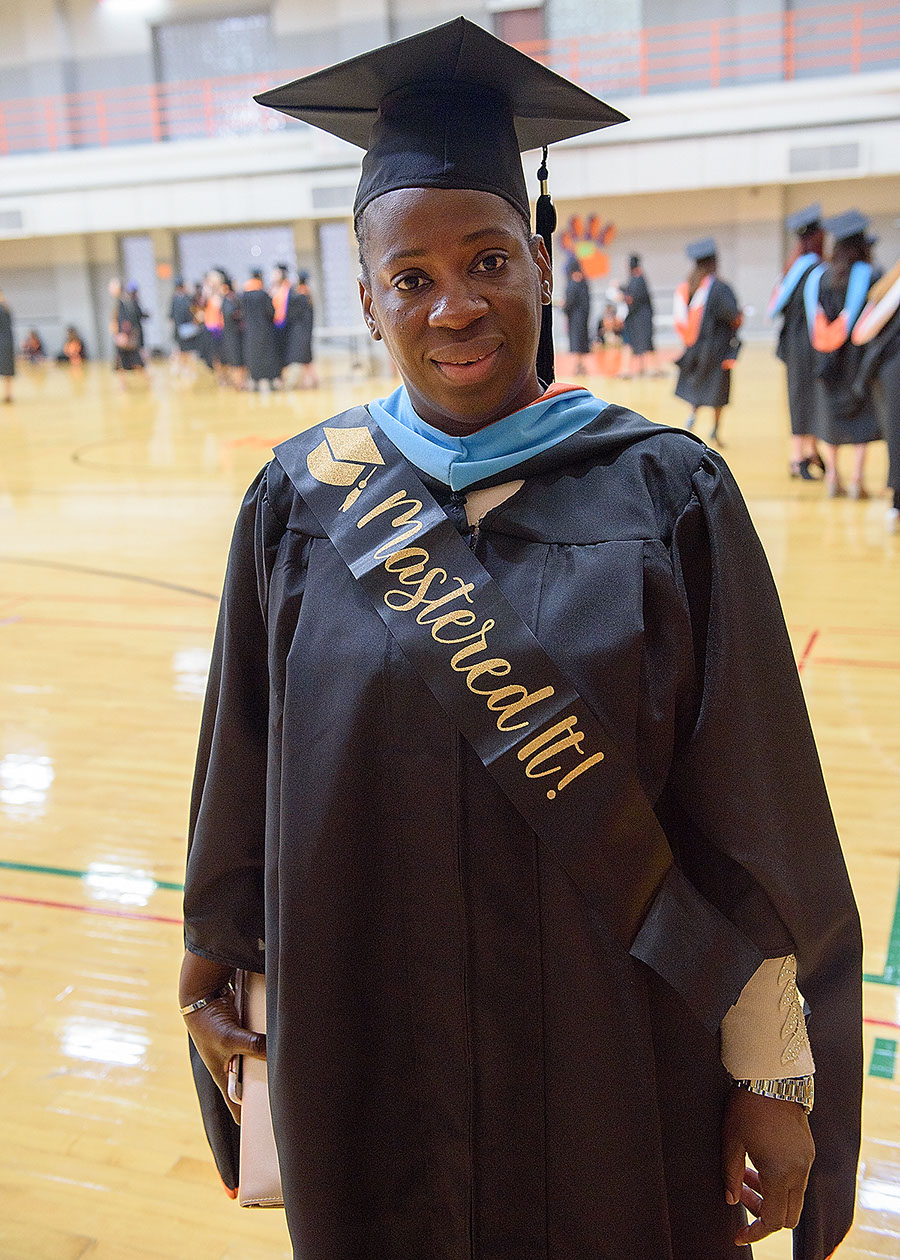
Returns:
point(545, 223)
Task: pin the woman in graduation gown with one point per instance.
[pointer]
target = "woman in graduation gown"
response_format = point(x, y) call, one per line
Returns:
point(637, 329)
point(260, 356)
point(578, 313)
point(878, 331)
point(7, 350)
point(707, 317)
point(794, 349)
point(834, 295)
point(300, 316)
point(468, 1057)
point(231, 349)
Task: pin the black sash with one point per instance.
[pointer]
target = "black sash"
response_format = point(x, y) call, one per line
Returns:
point(524, 719)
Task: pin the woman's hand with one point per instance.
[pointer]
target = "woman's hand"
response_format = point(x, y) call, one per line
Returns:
point(216, 1028)
point(775, 1135)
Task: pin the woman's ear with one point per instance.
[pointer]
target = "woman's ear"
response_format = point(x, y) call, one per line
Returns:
point(365, 298)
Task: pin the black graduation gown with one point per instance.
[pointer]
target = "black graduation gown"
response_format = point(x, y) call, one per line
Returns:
point(464, 1063)
point(298, 347)
point(578, 310)
point(796, 353)
point(128, 320)
point(844, 415)
point(231, 347)
point(7, 344)
point(702, 380)
point(637, 328)
point(879, 371)
point(181, 313)
point(259, 335)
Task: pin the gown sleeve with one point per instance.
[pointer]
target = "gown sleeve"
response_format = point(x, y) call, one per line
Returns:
point(223, 903)
point(759, 838)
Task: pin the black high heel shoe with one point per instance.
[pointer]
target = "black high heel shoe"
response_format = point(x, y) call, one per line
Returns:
point(800, 468)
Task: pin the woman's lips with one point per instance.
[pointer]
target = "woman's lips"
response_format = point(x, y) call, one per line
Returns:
point(466, 365)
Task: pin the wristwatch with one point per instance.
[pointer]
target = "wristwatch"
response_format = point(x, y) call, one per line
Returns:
point(798, 1089)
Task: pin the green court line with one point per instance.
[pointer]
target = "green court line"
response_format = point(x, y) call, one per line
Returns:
point(68, 873)
point(891, 973)
point(883, 1056)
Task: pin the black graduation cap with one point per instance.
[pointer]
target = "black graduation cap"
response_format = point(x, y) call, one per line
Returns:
point(698, 250)
point(850, 223)
point(802, 220)
point(451, 107)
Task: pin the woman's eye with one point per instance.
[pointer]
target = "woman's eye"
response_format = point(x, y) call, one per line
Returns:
point(491, 262)
point(409, 284)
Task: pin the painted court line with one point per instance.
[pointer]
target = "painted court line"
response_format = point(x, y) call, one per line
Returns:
point(111, 625)
point(109, 914)
point(69, 872)
point(805, 654)
point(856, 664)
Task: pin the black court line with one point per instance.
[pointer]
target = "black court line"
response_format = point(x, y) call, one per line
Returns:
point(109, 573)
point(76, 457)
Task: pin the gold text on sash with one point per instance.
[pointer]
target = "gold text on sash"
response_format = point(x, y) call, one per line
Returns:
point(444, 604)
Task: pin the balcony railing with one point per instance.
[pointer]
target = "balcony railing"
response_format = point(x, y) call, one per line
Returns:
point(761, 48)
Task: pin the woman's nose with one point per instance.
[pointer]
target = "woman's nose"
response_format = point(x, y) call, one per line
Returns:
point(456, 306)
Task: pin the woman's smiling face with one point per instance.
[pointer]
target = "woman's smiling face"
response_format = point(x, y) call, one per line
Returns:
point(454, 286)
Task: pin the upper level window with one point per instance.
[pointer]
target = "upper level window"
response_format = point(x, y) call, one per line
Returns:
point(200, 48)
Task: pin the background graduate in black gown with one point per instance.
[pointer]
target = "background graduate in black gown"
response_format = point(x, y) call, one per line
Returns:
point(7, 350)
point(637, 327)
point(578, 314)
point(464, 1059)
point(299, 343)
point(794, 347)
point(231, 347)
point(834, 296)
point(707, 317)
point(260, 355)
point(878, 332)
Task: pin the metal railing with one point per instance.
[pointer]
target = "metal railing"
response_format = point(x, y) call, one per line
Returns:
point(760, 48)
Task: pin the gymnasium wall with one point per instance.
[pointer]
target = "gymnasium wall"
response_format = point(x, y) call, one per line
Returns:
point(56, 280)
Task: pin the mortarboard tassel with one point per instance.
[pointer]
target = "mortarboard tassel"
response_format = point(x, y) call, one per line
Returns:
point(545, 224)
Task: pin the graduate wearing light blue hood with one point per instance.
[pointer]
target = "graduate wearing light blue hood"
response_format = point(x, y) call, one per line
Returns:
point(794, 348)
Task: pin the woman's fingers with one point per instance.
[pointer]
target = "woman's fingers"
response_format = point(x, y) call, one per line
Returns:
point(733, 1166)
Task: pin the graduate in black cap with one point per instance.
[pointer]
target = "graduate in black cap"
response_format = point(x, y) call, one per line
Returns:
point(260, 352)
point(794, 347)
point(834, 295)
point(707, 317)
point(878, 331)
point(578, 314)
point(505, 778)
point(637, 328)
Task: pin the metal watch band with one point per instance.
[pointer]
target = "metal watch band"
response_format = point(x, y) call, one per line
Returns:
point(798, 1089)
point(210, 997)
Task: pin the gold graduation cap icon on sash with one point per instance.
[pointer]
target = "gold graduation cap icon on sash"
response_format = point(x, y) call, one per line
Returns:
point(342, 457)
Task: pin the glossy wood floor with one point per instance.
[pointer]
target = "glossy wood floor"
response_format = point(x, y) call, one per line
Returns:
point(115, 513)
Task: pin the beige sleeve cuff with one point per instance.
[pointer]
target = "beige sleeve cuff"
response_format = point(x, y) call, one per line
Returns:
point(764, 1033)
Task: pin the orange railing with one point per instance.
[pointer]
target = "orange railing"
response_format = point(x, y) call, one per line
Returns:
point(829, 40)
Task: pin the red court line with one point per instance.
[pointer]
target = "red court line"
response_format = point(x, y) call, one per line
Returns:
point(110, 914)
point(862, 630)
point(160, 918)
point(804, 655)
point(846, 660)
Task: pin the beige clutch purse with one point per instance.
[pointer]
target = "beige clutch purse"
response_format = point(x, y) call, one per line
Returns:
point(260, 1180)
